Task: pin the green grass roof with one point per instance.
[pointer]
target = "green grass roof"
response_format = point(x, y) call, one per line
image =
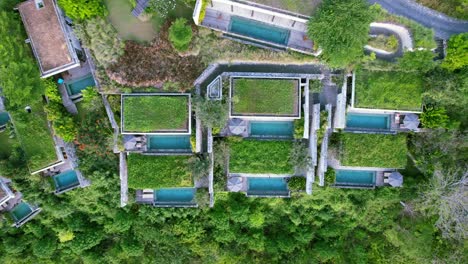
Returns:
point(255, 156)
point(154, 172)
point(388, 90)
point(265, 97)
point(155, 113)
point(373, 150)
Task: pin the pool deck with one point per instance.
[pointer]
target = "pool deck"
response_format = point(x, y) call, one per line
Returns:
point(218, 17)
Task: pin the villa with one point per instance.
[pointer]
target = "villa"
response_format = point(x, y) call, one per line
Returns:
point(159, 143)
point(11, 202)
point(255, 24)
point(49, 36)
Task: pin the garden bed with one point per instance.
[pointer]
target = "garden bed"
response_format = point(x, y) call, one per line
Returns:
point(255, 156)
point(154, 172)
point(373, 150)
point(382, 42)
point(265, 97)
point(388, 90)
point(156, 113)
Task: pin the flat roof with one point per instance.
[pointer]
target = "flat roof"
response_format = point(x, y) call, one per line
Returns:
point(46, 33)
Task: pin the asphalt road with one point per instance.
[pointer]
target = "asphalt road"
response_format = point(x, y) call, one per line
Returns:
point(444, 26)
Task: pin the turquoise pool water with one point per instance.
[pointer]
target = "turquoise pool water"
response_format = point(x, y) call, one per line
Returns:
point(272, 129)
point(259, 30)
point(75, 86)
point(175, 195)
point(267, 186)
point(4, 118)
point(169, 143)
point(370, 121)
point(21, 211)
point(66, 179)
point(355, 177)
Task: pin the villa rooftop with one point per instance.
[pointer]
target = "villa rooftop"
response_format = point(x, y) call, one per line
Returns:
point(48, 37)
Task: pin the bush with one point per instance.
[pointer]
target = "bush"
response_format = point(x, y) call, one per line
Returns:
point(434, 118)
point(457, 52)
point(200, 166)
point(180, 34)
point(83, 9)
point(418, 60)
point(212, 113)
point(297, 183)
point(330, 176)
point(202, 197)
point(299, 128)
point(300, 158)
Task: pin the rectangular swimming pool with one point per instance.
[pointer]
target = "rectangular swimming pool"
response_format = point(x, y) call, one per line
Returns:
point(169, 143)
point(369, 121)
point(259, 30)
point(355, 178)
point(265, 186)
point(21, 211)
point(4, 118)
point(174, 196)
point(272, 129)
point(76, 86)
point(65, 180)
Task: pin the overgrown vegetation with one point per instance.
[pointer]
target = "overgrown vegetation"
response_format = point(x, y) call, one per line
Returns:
point(264, 96)
point(457, 52)
point(383, 42)
point(83, 9)
point(212, 113)
point(155, 113)
point(255, 156)
point(297, 184)
point(397, 90)
point(180, 34)
point(454, 8)
point(341, 29)
point(154, 172)
point(373, 150)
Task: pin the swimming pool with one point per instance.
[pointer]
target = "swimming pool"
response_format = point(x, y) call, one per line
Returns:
point(175, 196)
point(169, 143)
point(272, 129)
point(259, 30)
point(355, 178)
point(76, 86)
point(369, 121)
point(4, 118)
point(65, 180)
point(265, 186)
point(21, 211)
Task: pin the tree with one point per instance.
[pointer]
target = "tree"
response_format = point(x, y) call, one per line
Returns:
point(457, 52)
point(434, 118)
point(300, 155)
point(200, 166)
point(419, 60)
point(212, 113)
point(83, 9)
point(180, 34)
point(340, 29)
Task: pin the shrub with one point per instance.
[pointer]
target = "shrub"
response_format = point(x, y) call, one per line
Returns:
point(299, 128)
point(297, 183)
point(418, 60)
point(200, 166)
point(212, 113)
point(457, 52)
point(83, 9)
point(434, 118)
point(330, 176)
point(300, 155)
point(180, 34)
point(202, 198)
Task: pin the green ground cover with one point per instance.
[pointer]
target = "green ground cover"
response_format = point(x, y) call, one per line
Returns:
point(264, 96)
point(6, 144)
point(255, 156)
point(128, 26)
point(155, 113)
point(388, 90)
point(154, 172)
point(35, 136)
point(383, 42)
point(304, 7)
point(373, 150)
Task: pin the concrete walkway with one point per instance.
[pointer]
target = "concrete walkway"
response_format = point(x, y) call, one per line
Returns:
point(443, 25)
point(401, 33)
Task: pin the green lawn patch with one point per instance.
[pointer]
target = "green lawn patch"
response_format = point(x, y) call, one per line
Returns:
point(155, 113)
point(388, 90)
point(265, 97)
point(35, 137)
point(304, 7)
point(373, 150)
point(256, 156)
point(154, 172)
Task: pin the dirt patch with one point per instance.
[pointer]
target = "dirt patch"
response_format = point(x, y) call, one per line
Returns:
point(153, 65)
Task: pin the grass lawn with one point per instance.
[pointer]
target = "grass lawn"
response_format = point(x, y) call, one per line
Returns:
point(255, 156)
point(373, 150)
point(154, 172)
point(304, 7)
point(128, 26)
point(35, 137)
point(265, 97)
point(155, 113)
point(388, 90)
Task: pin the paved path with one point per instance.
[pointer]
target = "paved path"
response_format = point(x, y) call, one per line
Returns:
point(444, 26)
point(401, 33)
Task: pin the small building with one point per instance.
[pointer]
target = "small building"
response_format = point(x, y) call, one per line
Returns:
point(6, 194)
point(49, 37)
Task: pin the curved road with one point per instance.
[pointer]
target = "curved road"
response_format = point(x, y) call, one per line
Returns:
point(444, 26)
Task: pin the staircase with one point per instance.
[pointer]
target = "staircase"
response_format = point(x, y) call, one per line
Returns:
point(140, 7)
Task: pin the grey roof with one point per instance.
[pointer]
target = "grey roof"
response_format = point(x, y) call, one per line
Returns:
point(395, 179)
point(235, 184)
point(237, 126)
point(411, 121)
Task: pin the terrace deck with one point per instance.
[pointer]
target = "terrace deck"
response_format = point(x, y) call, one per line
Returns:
point(47, 36)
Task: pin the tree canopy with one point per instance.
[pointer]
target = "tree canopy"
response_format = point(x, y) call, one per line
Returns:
point(83, 9)
point(457, 52)
point(340, 29)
